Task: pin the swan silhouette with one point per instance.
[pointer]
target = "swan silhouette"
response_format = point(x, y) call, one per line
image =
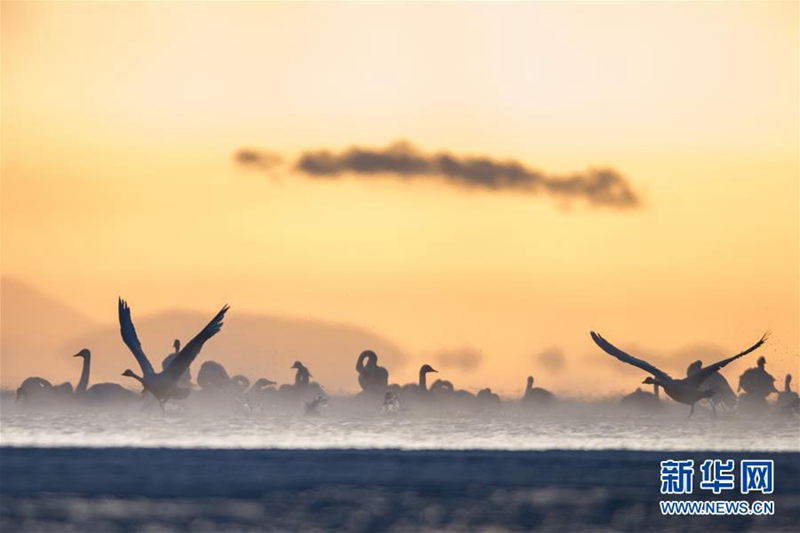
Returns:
point(537, 395)
point(643, 400)
point(788, 400)
point(34, 388)
point(185, 380)
point(100, 392)
point(219, 392)
point(371, 377)
point(212, 377)
point(164, 385)
point(422, 382)
point(488, 400)
point(40, 389)
point(451, 398)
point(413, 394)
point(757, 381)
point(687, 390)
point(716, 382)
point(302, 376)
point(260, 392)
point(303, 388)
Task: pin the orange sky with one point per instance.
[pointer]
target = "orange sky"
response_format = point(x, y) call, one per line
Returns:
point(120, 120)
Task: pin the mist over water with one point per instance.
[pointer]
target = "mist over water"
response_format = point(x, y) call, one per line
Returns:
point(577, 427)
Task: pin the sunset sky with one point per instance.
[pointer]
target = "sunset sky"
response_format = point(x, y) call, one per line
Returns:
point(121, 120)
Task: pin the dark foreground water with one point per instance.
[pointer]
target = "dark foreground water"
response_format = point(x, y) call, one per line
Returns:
point(152, 489)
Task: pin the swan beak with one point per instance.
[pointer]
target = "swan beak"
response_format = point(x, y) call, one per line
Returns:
point(77, 354)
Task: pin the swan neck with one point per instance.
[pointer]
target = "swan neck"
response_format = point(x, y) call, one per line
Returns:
point(360, 362)
point(84, 381)
point(656, 390)
point(423, 380)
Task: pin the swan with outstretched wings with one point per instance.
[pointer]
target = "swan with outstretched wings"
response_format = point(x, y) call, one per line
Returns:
point(164, 385)
point(686, 390)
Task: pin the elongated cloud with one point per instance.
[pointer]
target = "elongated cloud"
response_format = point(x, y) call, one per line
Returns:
point(603, 187)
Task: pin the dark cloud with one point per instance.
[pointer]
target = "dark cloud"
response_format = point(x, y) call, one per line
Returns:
point(258, 158)
point(551, 359)
point(604, 187)
point(467, 359)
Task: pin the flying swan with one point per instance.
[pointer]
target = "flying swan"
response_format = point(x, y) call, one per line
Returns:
point(686, 390)
point(164, 385)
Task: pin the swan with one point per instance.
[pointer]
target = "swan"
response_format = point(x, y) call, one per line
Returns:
point(642, 400)
point(218, 391)
point(259, 392)
point(240, 384)
point(723, 393)
point(687, 390)
point(212, 376)
point(186, 378)
point(487, 399)
point(371, 377)
point(788, 400)
point(164, 385)
point(537, 395)
point(302, 376)
point(303, 388)
point(415, 393)
point(757, 381)
point(422, 383)
point(449, 397)
point(100, 392)
point(34, 388)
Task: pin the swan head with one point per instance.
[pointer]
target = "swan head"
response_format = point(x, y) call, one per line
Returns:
point(130, 374)
point(297, 365)
point(83, 353)
point(649, 380)
point(530, 381)
point(176, 344)
point(762, 361)
point(694, 367)
point(427, 368)
point(240, 381)
point(263, 382)
point(370, 356)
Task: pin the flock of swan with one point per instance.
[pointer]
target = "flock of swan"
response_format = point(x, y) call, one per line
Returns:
point(172, 383)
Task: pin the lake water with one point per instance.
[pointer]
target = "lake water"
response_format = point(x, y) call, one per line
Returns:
point(580, 466)
point(584, 430)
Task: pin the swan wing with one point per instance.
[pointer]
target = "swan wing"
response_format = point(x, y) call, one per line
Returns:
point(704, 373)
point(189, 352)
point(612, 350)
point(130, 338)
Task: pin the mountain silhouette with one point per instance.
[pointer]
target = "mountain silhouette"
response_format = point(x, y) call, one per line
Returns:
point(39, 334)
point(33, 328)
